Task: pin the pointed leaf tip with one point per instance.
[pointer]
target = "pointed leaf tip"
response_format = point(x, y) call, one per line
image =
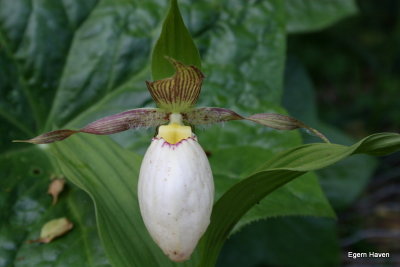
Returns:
point(175, 41)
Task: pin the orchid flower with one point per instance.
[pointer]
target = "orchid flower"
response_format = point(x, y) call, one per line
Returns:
point(175, 188)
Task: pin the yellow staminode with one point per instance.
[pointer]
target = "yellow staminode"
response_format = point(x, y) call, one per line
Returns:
point(174, 133)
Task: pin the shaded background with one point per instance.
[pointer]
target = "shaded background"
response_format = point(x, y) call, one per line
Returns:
point(352, 71)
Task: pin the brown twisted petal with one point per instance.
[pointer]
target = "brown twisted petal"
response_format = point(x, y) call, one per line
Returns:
point(283, 122)
point(276, 121)
point(209, 115)
point(179, 92)
point(131, 119)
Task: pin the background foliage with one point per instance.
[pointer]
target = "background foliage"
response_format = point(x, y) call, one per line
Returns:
point(66, 63)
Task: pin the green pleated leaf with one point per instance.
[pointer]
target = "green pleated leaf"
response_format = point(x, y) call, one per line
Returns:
point(278, 171)
point(176, 42)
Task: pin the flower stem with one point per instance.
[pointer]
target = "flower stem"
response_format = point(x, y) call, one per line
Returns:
point(175, 118)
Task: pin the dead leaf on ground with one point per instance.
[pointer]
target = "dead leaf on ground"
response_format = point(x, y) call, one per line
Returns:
point(55, 188)
point(53, 229)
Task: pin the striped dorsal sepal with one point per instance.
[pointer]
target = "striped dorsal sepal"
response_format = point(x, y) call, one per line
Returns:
point(180, 92)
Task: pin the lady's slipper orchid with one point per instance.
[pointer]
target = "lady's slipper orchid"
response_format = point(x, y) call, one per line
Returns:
point(176, 189)
point(175, 183)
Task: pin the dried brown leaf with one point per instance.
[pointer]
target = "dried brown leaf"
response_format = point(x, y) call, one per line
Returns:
point(55, 188)
point(53, 229)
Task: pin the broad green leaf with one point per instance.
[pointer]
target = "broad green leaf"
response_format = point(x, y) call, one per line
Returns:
point(278, 171)
point(288, 199)
point(25, 206)
point(35, 40)
point(309, 15)
point(109, 50)
point(80, 247)
point(345, 180)
point(175, 42)
point(283, 241)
